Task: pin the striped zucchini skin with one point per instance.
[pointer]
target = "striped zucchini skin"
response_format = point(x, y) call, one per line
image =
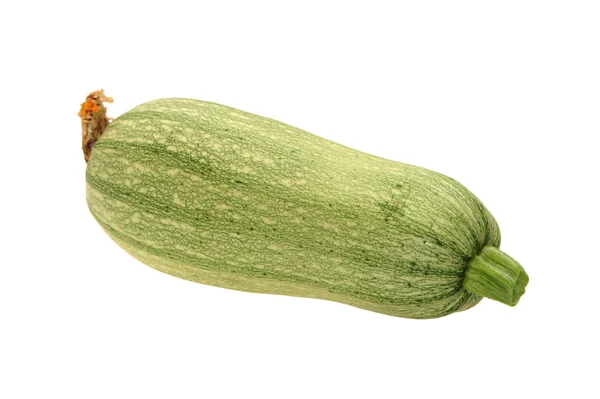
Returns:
point(219, 196)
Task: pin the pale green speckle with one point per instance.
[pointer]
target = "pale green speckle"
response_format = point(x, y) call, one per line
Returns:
point(223, 197)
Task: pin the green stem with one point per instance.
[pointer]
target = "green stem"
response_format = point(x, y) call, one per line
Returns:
point(495, 275)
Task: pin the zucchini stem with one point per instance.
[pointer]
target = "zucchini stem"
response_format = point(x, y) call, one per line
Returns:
point(93, 120)
point(495, 275)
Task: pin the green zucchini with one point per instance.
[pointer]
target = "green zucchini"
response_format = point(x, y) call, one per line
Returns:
point(215, 195)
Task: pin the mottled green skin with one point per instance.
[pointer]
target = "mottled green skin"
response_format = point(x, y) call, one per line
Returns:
point(223, 197)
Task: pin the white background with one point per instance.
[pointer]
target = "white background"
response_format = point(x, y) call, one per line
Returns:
point(502, 96)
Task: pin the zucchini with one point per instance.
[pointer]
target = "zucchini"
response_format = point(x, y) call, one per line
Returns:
point(219, 196)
